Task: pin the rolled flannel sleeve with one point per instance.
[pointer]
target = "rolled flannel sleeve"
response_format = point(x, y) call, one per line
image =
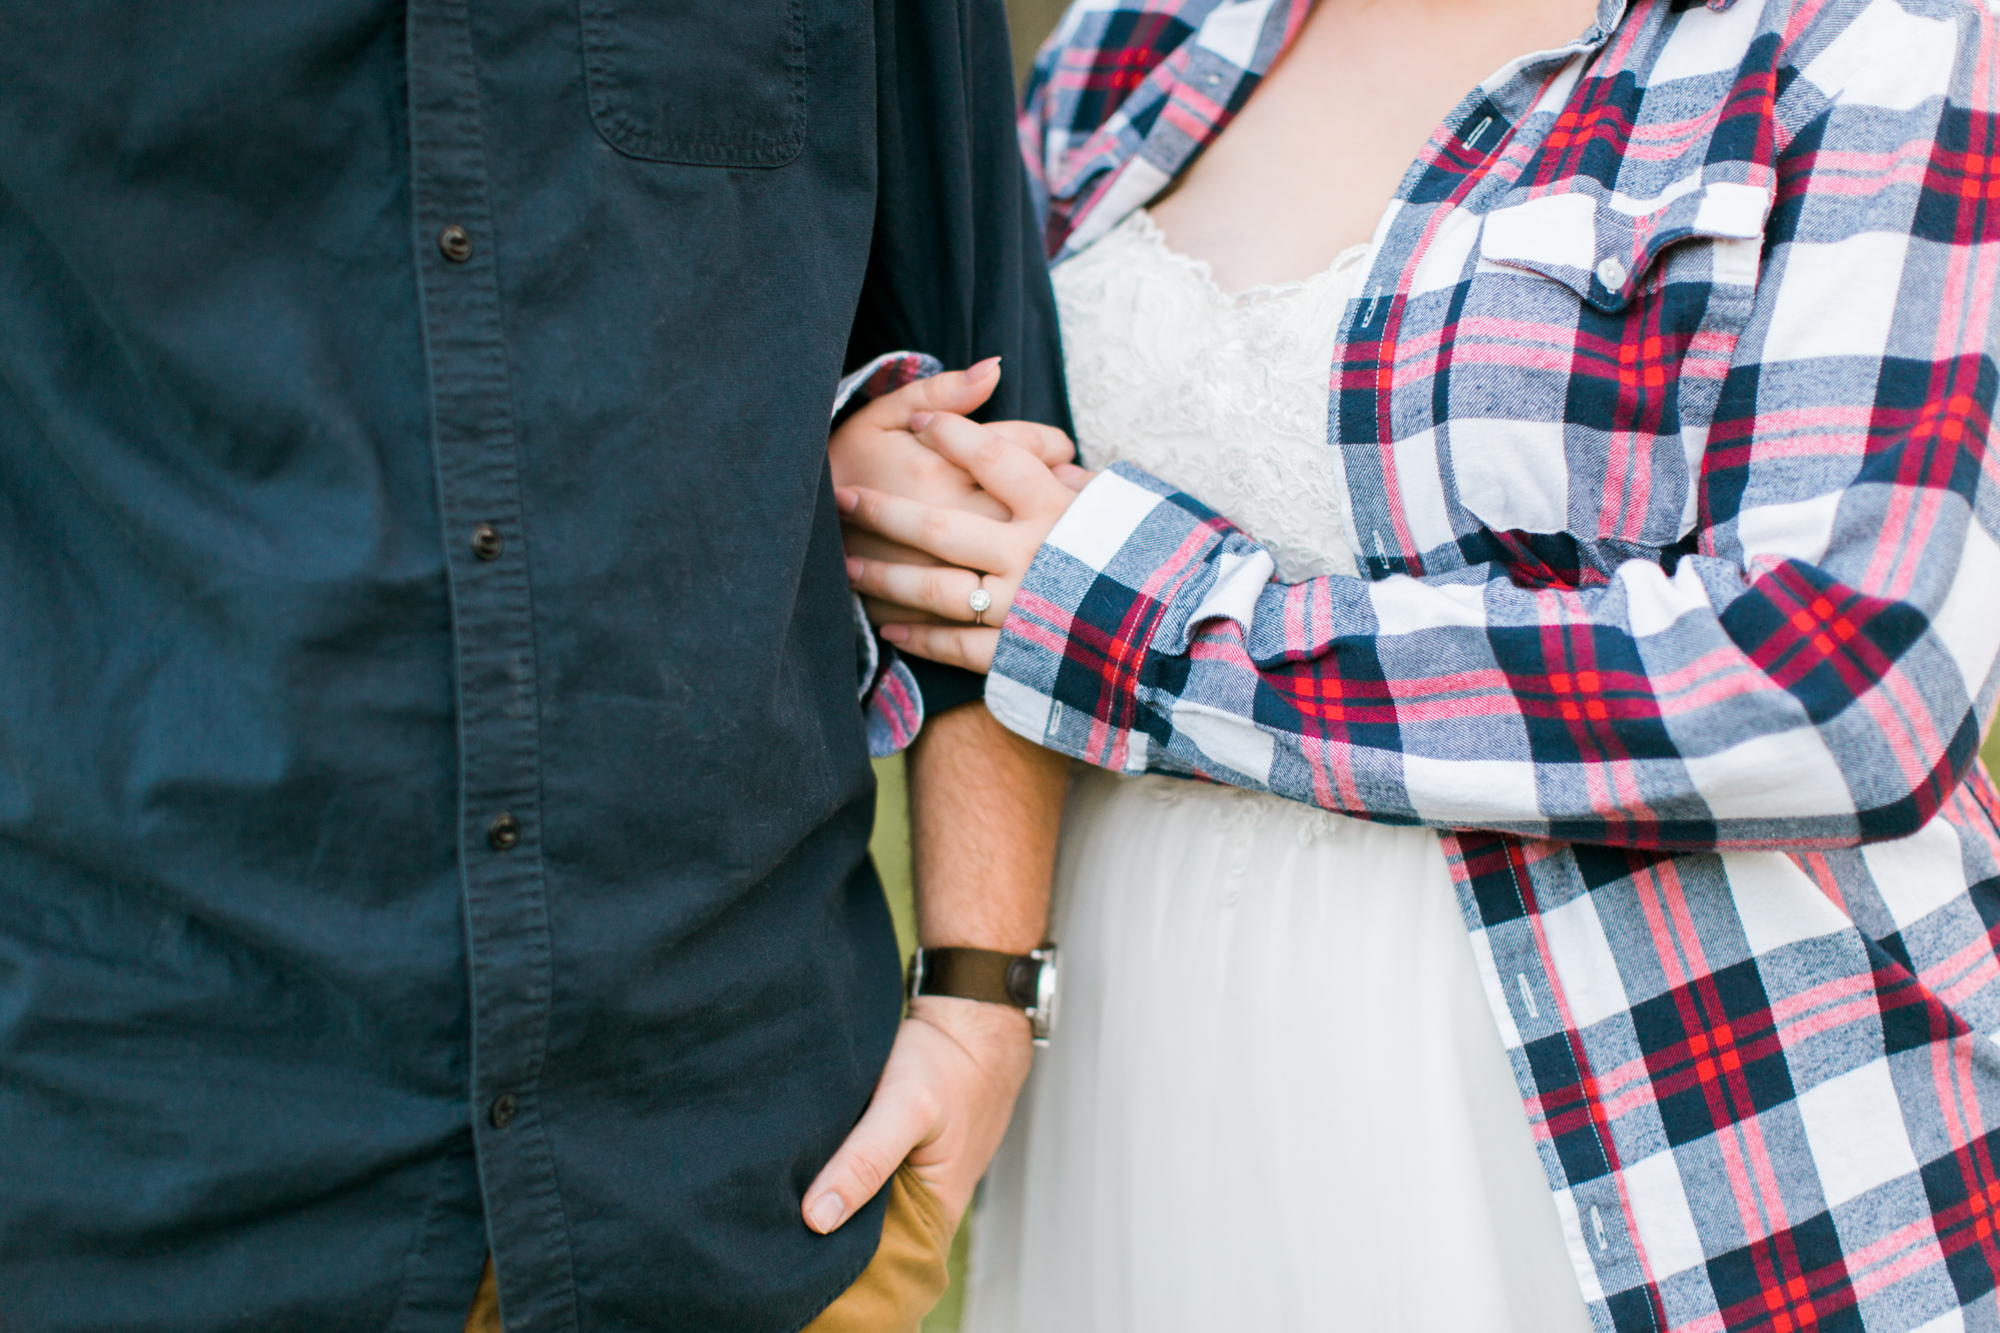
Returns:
point(1814, 674)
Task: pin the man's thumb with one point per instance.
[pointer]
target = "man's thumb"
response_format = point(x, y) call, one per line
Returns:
point(864, 1163)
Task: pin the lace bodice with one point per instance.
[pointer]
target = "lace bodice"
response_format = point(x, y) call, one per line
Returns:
point(1223, 396)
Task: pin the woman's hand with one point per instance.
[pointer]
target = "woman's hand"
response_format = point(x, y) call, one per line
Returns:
point(875, 449)
point(981, 554)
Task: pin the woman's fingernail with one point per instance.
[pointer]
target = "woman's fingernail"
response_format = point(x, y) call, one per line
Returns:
point(896, 633)
point(919, 420)
point(826, 1212)
point(978, 371)
point(846, 499)
point(854, 568)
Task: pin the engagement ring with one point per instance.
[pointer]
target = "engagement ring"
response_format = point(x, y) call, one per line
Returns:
point(979, 602)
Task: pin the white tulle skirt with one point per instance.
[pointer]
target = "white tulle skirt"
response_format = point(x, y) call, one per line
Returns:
point(1276, 1098)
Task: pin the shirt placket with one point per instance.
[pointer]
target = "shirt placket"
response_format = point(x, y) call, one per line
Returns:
point(499, 830)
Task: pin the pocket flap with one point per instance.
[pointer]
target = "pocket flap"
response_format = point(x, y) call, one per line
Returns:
point(1601, 249)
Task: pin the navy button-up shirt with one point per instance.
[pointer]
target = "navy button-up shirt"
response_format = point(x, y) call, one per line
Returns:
point(433, 800)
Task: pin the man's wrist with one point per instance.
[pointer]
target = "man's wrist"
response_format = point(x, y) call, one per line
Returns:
point(973, 1023)
point(1022, 981)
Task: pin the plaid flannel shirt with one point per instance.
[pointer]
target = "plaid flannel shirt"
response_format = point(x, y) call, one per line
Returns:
point(1663, 415)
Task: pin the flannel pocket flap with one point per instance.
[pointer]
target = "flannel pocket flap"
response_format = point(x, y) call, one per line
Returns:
point(1603, 249)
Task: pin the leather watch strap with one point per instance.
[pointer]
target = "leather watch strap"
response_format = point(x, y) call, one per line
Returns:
point(977, 974)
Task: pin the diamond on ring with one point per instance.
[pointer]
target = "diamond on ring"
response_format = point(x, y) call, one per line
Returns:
point(980, 601)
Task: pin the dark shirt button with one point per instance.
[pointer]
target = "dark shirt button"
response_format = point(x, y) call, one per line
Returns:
point(486, 542)
point(456, 242)
point(504, 1108)
point(503, 832)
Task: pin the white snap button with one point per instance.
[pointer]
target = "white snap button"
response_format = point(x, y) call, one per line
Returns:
point(1611, 273)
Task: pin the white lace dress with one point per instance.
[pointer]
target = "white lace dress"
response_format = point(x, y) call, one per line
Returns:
point(1276, 1098)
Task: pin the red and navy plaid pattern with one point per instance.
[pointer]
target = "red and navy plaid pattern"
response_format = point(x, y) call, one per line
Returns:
point(1664, 417)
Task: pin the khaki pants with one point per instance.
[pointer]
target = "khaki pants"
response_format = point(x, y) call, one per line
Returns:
point(893, 1294)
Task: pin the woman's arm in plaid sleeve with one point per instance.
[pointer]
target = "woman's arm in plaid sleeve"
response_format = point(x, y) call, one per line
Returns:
point(1814, 675)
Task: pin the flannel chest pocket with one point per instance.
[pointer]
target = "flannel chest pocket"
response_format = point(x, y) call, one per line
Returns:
point(1589, 355)
point(712, 83)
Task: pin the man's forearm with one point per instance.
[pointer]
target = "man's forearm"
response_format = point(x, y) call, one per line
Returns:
point(985, 808)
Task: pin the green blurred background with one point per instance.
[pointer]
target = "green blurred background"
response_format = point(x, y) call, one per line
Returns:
point(1032, 21)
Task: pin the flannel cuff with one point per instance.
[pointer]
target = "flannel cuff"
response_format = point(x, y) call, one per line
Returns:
point(1123, 572)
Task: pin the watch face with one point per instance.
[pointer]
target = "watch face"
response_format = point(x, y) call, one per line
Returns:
point(1042, 1018)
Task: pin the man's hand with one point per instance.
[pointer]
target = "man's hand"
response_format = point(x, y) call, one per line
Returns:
point(943, 1103)
point(876, 448)
point(984, 809)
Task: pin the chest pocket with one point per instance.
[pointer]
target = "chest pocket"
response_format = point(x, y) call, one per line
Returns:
point(712, 83)
point(1589, 357)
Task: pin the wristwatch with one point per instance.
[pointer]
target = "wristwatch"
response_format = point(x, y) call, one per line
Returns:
point(1025, 981)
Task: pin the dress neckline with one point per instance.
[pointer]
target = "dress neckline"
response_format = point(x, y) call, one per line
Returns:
point(1148, 231)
